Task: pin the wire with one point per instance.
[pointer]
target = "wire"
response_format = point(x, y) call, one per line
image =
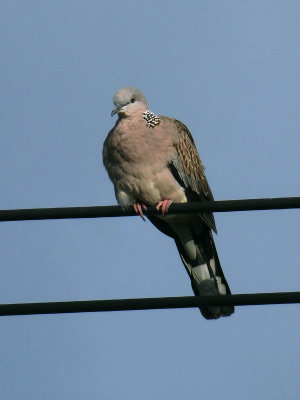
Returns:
point(148, 303)
point(116, 211)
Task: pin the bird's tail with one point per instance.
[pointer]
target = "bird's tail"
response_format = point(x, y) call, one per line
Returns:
point(206, 274)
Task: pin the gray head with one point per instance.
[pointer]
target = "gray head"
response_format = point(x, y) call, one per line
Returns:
point(128, 101)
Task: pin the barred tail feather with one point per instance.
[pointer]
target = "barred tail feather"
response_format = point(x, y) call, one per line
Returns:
point(206, 274)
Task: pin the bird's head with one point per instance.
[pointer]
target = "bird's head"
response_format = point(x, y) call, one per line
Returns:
point(129, 101)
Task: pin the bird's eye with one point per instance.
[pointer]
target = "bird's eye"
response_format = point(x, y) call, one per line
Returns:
point(132, 100)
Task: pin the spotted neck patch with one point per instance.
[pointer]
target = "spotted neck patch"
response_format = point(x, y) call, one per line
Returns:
point(151, 119)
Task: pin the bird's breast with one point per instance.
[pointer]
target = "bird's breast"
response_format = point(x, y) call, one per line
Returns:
point(138, 159)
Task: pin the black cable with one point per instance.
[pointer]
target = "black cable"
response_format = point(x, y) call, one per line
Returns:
point(116, 211)
point(149, 303)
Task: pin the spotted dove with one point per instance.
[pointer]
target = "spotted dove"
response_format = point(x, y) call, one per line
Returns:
point(153, 161)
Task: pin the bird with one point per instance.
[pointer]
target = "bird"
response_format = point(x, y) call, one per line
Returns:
point(152, 160)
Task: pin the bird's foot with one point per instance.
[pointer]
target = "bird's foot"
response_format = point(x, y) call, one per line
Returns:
point(138, 209)
point(163, 205)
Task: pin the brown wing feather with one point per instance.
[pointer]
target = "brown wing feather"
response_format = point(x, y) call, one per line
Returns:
point(190, 169)
point(190, 162)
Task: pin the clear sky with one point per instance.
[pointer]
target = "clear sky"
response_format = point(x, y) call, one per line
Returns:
point(230, 71)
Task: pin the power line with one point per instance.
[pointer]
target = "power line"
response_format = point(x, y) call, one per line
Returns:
point(148, 303)
point(116, 211)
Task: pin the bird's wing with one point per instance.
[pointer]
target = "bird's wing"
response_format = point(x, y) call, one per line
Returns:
point(188, 170)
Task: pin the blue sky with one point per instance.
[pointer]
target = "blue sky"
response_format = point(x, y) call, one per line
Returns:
point(230, 72)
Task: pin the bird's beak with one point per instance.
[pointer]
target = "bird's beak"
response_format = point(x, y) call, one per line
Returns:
point(115, 110)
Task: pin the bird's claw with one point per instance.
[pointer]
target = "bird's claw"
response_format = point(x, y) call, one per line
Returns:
point(163, 205)
point(138, 209)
